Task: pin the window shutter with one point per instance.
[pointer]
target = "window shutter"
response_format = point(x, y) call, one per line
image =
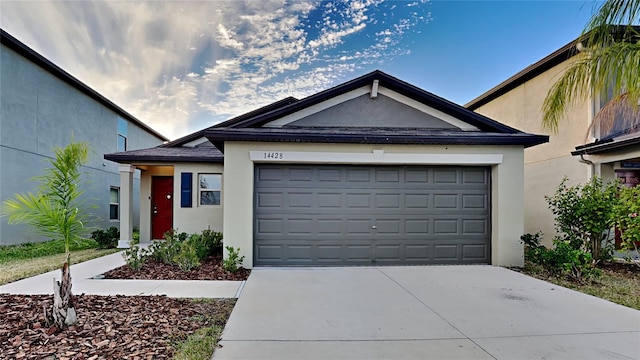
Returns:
point(186, 185)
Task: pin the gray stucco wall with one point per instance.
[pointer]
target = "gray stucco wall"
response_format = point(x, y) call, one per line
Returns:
point(381, 111)
point(38, 112)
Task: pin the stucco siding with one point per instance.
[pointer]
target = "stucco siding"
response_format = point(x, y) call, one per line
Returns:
point(507, 191)
point(546, 164)
point(197, 218)
point(39, 112)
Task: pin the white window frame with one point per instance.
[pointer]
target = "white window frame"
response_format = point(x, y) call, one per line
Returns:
point(117, 204)
point(202, 189)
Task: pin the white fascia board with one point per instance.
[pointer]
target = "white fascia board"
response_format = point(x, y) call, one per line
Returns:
point(427, 109)
point(319, 107)
point(375, 157)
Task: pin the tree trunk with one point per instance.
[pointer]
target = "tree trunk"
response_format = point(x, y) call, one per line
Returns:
point(64, 312)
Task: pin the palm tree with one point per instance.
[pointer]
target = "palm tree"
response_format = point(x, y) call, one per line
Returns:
point(609, 61)
point(57, 211)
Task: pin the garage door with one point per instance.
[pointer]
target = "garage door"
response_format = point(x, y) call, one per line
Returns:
point(362, 215)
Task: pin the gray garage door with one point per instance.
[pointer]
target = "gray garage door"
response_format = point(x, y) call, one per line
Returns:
point(361, 215)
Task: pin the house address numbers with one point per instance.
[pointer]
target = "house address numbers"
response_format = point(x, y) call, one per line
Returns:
point(273, 155)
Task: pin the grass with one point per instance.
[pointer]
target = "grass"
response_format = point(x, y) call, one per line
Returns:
point(618, 287)
point(20, 268)
point(36, 250)
point(202, 344)
point(199, 345)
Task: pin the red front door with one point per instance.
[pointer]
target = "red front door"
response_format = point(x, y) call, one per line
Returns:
point(161, 206)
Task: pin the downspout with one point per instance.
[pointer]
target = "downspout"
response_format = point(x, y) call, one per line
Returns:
point(588, 162)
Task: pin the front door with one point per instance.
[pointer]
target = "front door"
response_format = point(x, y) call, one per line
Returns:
point(161, 206)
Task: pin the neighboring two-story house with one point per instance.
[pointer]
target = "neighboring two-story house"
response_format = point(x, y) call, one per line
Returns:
point(41, 107)
point(577, 151)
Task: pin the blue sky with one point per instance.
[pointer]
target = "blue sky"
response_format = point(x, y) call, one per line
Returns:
point(181, 66)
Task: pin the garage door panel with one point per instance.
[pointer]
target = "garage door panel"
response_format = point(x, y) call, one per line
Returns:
point(356, 215)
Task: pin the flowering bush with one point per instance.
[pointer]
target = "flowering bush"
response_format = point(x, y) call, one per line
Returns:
point(627, 216)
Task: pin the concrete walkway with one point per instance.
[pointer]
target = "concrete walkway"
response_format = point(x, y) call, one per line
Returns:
point(437, 312)
point(82, 276)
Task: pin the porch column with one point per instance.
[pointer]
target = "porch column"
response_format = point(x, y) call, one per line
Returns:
point(126, 205)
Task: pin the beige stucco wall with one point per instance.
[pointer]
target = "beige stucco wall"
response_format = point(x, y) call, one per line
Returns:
point(506, 191)
point(196, 218)
point(189, 220)
point(547, 164)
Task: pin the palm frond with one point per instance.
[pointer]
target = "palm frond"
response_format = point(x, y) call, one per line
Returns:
point(609, 63)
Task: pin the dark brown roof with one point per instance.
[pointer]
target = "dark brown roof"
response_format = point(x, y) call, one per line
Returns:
point(174, 154)
point(28, 53)
point(374, 136)
point(608, 145)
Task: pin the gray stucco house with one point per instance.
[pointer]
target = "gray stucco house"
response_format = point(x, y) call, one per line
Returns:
point(41, 106)
point(372, 171)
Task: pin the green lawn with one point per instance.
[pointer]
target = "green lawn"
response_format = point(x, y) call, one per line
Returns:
point(618, 285)
point(25, 260)
point(16, 269)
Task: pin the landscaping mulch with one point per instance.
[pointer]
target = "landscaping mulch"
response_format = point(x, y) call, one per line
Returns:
point(209, 269)
point(109, 327)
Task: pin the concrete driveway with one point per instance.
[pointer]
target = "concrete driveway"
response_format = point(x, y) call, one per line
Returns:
point(435, 312)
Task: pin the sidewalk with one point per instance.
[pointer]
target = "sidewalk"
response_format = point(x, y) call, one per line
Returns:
point(83, 283)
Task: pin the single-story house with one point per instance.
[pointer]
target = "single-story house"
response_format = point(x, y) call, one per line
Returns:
point(374, 171)
point(579, 150)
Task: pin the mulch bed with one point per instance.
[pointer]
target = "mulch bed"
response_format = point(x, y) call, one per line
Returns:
point(210, 269)
point(109, 327)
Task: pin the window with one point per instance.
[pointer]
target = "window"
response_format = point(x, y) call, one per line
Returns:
point(114, 203)
point(122, 135)
point(210, 186)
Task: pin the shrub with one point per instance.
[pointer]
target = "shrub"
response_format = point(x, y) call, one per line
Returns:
point(187, 257)
point(627, 216)
point(135, 257)
point(135, 236)
point(106, 239)
point(233, 262)
point(563, 259)
point(533, 249)
point(584, 213)
point(213, 241)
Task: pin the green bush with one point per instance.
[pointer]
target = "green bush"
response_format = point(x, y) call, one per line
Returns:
point(213, 241)
point(233, 262)
point(627, 216)
point(584, 214)
point(187, 257)
point(135, 236)
point(106, 239)
point(563, 259)
point(135, 257)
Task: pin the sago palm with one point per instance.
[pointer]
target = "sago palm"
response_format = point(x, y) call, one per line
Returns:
point(57, 211)
point(609, 62)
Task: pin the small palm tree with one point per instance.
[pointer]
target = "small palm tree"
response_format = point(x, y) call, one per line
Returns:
point(57, 211)
point(608, 62)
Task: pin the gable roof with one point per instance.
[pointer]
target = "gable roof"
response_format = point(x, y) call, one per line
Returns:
point(23, 50)
point(392, 83)
point(490, 131)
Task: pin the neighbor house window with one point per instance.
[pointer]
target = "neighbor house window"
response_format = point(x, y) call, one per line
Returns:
point(122, 135)
point(210, 186)
point(114, 203)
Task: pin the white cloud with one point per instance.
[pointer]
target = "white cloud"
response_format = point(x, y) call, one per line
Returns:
point(173, 64)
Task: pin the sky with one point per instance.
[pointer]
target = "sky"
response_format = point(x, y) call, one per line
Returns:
point(181, 66)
